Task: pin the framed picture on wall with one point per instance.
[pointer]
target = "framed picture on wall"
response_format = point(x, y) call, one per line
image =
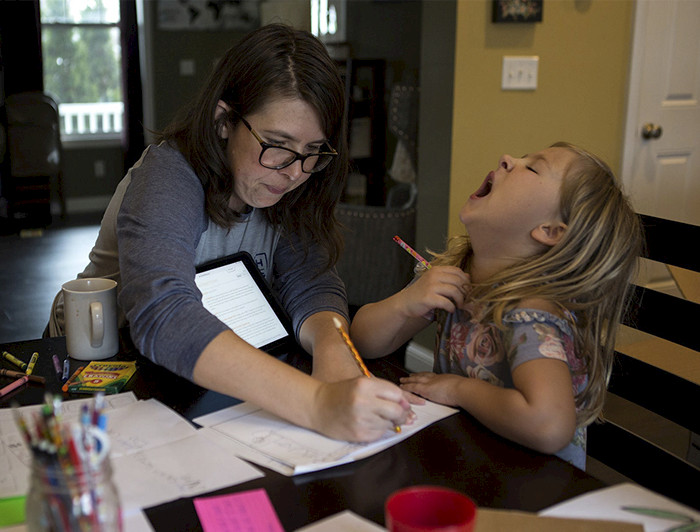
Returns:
point(517, 10)
point(208, 14)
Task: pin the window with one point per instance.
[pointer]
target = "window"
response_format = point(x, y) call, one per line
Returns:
point(82, 66)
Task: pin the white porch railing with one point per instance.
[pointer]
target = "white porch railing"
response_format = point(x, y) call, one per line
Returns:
point(91, 118)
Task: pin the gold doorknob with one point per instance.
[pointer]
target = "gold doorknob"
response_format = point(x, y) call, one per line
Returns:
point(651, 131)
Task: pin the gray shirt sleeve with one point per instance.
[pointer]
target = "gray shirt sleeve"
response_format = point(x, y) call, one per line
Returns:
point(302, 285)
point(160, 222)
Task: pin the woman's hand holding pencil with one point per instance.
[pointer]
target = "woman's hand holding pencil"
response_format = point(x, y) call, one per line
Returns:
point(363, 367)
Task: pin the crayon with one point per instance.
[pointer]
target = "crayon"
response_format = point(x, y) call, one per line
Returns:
point(32, 363)
point(13, 360)
point(57, 366)
point(72, 378)
point(80, 388)
point(13, 386)
point(19, 374)
point(66, 370)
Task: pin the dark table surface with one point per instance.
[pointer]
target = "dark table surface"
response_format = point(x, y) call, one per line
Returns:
point(456, 452)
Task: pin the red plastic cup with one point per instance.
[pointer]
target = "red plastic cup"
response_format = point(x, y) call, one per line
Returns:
point(429, 508)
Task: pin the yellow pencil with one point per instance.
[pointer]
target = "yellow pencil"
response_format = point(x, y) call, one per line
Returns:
point(356, 355)
point(32, 363)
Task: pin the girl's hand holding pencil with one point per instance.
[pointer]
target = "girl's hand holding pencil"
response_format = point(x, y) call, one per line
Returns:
point(444, 287)
point(441, 287)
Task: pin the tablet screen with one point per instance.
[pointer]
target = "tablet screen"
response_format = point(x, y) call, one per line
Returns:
point(232, 293)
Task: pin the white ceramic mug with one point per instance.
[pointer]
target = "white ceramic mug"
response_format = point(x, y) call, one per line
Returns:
point(90, 314)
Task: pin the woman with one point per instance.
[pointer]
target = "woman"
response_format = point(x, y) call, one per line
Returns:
point(257, 164)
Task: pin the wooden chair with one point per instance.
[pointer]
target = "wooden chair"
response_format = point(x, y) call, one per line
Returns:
point(35, 157)
point(373, 266)
point(647, 385)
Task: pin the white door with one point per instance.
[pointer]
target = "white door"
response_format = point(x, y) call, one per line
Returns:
point(661, 173)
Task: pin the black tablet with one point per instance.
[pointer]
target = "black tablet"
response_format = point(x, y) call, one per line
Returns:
point(234, 290)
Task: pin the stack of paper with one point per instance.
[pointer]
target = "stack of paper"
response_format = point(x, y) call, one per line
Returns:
point(151, 451)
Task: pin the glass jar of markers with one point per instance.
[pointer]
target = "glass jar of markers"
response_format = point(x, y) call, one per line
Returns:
point(73, 490)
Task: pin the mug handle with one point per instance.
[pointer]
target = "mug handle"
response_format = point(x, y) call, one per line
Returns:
point(97, 324)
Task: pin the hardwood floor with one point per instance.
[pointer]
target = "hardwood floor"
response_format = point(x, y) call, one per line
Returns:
point(33, 268)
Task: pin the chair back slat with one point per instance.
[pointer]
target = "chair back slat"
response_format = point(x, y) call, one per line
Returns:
point(665, 316)
point(671, 396)
point(671, 242)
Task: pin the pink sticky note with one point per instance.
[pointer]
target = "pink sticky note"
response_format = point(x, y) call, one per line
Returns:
point(249, 511)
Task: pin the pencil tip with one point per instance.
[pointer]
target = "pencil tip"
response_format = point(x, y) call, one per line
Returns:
point(337, 322)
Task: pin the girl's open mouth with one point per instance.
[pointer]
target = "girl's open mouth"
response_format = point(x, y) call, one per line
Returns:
point(485, 187)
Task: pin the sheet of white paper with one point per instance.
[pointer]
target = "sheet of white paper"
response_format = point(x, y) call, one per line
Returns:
point(183, 468)
point(15, 458)
point(346, 521)
point(302, 450)
point(610, 503)
point(243, 451)
point(143, 425)
point(136, 522)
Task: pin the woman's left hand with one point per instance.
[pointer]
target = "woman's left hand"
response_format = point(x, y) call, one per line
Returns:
point(437, 388)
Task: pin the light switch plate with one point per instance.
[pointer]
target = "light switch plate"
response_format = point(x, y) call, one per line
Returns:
point(519, 72)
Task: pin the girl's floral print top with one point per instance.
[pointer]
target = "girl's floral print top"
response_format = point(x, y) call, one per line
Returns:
point(488, 353)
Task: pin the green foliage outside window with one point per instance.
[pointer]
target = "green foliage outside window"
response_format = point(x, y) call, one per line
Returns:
point(81, 50)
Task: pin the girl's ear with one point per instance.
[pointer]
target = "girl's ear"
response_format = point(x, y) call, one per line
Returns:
point(549, 233)
point(221, 108)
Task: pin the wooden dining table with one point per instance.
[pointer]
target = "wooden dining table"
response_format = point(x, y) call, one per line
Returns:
point(456, 452)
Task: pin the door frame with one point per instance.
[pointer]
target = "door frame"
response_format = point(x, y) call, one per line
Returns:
point(633, 92)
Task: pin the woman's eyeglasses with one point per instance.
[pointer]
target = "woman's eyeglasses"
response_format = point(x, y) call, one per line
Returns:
point(277, 157)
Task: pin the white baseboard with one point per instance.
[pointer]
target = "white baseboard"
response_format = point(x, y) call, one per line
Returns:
point(418, 358)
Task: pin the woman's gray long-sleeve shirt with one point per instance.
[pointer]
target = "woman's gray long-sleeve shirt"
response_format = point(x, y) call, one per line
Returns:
point(155, 232)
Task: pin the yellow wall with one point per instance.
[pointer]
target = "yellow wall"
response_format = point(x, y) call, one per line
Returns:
point(584, 48)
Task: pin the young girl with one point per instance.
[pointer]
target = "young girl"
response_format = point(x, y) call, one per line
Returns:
point(527, 303)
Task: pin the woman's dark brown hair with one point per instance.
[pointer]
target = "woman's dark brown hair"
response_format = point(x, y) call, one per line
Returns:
point(275, 61)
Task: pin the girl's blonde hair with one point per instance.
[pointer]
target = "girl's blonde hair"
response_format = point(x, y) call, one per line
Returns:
point(587, 273)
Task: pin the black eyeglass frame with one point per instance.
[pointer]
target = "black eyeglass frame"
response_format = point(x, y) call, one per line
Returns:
point(297, 156)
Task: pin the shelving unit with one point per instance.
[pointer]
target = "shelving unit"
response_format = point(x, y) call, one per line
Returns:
point(364, 98)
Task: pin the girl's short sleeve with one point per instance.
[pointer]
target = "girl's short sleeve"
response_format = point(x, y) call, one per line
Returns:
point(532, 334)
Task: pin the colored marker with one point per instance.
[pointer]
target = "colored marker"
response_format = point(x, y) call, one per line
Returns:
point(13, 386)
point(19, 374)
point(14, 360)
point(32, 363)
point(72, 378)
point(411, 252)
point(356, 355)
